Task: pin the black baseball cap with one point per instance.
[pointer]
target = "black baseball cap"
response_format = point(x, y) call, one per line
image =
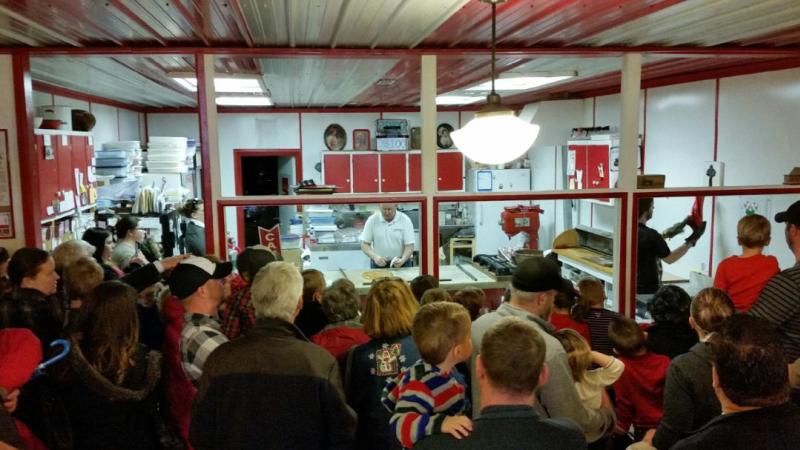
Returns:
point(194, 272)
point(537, 274)
point(791, 215)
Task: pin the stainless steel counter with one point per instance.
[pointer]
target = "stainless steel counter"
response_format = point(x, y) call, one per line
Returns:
point(451, 277)
point(335, 247)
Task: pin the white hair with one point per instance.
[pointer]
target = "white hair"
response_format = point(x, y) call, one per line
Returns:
point(276, 290)
point(68, 252)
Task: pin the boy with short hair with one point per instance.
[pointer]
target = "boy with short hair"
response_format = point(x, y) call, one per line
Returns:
point(640, 389)
point(311, 320)
point(744, 276)
point(591, 301)
point(427, 398)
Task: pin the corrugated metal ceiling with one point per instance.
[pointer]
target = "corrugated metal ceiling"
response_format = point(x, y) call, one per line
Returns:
point(376, 24)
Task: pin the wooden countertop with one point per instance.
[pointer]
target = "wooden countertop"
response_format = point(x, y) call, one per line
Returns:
point(584, 256)
point(451, 277)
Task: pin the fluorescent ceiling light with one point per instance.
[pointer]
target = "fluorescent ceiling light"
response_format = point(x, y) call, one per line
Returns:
point(457, 99)
point(517, 83)
point(225, 85)
point(244, 100)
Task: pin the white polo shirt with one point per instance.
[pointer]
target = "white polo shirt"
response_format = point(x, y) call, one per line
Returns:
point(388, 238)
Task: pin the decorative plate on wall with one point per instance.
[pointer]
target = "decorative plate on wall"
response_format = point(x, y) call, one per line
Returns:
point(443, 139)
point(335, 137)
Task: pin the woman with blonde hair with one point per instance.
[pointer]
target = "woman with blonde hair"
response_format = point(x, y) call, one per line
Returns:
point(109, 377)
point(388, 313)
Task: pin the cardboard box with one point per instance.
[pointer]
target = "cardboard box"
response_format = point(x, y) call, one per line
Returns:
point(650, 181)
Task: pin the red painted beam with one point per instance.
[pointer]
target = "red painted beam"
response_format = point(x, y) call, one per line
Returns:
point(26, 151)
point(205, 154)
point(241, 22)
point(63, 92)
point(196, 26)
point(289, 52)
point(341, 110)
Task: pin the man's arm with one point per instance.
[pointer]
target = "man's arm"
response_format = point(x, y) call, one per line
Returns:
point(196, 350)
point(560, 399)
point(408, 249)
point(778, 301)
point(366, 247)
point(676, 254)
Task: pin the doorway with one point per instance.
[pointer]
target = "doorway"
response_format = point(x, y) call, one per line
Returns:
point(263, 172)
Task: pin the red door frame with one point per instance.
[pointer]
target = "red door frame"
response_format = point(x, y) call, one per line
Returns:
point(239, 153)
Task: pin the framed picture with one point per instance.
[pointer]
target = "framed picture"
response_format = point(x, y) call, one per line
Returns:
point(443, 139)
point(335, 137)
point(416, 138)
point(361, 139)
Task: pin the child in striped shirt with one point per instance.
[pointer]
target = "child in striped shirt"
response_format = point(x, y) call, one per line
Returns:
point(427, 398)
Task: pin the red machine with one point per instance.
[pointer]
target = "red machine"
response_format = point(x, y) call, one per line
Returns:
point(519, 219)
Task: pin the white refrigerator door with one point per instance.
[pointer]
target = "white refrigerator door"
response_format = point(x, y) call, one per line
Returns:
point(511, 180)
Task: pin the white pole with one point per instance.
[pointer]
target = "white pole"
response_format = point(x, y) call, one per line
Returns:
point(429, 171)
point(628, 157)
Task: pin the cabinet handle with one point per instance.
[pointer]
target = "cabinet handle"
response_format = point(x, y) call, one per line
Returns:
point(440, 178)
point(347, 180)
point(383, 180)
point(375, 180)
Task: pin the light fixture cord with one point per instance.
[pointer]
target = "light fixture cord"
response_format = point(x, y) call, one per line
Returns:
point(494, 25)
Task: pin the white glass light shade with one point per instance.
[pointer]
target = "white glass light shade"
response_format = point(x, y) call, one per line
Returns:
point(495, 138)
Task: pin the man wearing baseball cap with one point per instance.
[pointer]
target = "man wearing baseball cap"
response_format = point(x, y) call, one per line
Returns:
point(198, 284)
point(779, 301)
point(533, 289)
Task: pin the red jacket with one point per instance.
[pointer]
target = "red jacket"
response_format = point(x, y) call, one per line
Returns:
point(179, 390)
point(560, 321)
point(640, 391)
point(338, 340)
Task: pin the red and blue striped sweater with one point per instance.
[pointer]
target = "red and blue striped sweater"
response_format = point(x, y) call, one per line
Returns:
point(420, 398)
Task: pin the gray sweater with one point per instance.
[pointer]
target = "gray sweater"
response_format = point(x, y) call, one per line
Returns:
point(689, 400)
point(558, 396)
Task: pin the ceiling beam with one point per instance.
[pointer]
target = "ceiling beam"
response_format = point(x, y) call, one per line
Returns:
point(63, 92)
point(196, 26)
point(38, 27)
point(139, 21)
point(305, 52)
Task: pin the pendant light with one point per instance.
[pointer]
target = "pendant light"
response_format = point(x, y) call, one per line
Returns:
point(496, 135)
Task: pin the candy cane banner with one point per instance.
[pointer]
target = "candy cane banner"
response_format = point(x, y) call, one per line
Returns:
point(270, 238)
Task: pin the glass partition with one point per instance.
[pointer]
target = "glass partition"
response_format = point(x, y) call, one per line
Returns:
point(330, 237)
point(693, 266)
point(483, 241)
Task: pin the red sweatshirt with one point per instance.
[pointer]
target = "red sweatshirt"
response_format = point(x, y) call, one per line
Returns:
point(560, 321)
point(640, 391)
point(744, 278)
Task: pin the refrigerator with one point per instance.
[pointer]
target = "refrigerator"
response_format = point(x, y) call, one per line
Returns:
point(489, 234)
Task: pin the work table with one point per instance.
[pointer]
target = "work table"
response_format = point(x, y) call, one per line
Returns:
point(450, 276)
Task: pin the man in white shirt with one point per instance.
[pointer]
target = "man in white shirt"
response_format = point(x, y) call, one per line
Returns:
point(388, 238)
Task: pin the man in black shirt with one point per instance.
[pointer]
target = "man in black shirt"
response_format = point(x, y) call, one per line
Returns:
point(651, 249)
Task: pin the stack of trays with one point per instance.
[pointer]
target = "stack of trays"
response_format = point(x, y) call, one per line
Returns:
point(120, 159)
point(168, 154)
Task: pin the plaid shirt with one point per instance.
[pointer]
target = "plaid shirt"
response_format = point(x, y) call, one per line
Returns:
point(240, 315)
point(201, 335)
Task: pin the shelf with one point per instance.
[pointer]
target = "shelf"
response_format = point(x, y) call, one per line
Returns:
point(67, 214)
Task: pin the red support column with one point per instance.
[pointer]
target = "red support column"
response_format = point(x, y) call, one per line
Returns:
point(205, 157)
point(26, 151)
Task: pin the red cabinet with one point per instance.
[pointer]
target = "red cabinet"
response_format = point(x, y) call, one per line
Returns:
point(66, 170)
point(372, 172)
point(48, 172)
point(596, 166)
point(393, 172)
point(336, 171)
point(365, 173)
point(414, 172)
point(58, 161)
point(451, 171)
point(576, 166)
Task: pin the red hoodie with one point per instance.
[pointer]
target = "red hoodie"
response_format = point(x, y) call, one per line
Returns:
point(338, 340)
point(178, 388)
point(640, 391)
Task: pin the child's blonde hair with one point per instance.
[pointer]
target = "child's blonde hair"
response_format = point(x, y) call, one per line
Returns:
point(578, 351)
point(753, 231)
point(438, 327)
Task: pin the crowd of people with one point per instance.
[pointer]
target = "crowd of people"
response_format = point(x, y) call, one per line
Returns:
point(186, 352)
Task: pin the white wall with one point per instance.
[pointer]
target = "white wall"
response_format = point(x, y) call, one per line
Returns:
point(112, 123)
point(757, 121)
point(8, 122)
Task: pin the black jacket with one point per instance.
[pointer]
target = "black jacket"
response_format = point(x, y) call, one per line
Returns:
point(271, 389)
point(689, 399)
point(670, 339)
point(772, 428)
point(512, 428)
point(105, 415)
point(195, 239)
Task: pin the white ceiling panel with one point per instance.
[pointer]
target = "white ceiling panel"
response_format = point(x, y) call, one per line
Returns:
point(320, 82)
point(704, 22)
point(346, 23)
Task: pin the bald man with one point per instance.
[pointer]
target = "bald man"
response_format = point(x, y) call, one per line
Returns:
point(388, 238)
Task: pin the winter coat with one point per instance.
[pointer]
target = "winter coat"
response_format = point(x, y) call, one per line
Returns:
point(179, 390)
point(107, 415)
